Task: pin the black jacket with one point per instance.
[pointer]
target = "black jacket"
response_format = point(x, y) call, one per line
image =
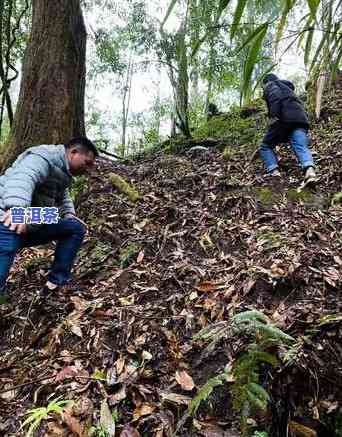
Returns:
point(283, 104)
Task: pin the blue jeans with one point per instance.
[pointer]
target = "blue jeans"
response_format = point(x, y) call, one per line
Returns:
point(68, 233)
point(300, 145)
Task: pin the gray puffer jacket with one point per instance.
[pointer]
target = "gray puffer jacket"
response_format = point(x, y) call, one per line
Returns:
point(40, 177)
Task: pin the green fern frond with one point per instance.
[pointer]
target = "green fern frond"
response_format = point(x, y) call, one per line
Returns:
point(37, 415)
point(274, 333)
point(265, 357)
point(247, 394)
point(249, 316)
point(209, 332)
point(260, 434)
point(258, 391)
point(256, 404)
point(205, 392)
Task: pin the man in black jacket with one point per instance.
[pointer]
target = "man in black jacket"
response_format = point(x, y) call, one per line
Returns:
point(289, 122)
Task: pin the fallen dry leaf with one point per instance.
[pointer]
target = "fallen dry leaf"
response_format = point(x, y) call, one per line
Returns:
point(106, 419)
point(117, 397)
point(75, 329)
point(66, 373)
point(120, 364)
point(8, 395)
point(144, 410)
point(79, 303)
point(175, 398)
point(129, 431)
point(184, 380)
point(83, 407)
point(55, 430)
point(207, 286)
point(211, 430)
point(74, 425)
point(146, 356)
point(140, 256)
point(299, 430)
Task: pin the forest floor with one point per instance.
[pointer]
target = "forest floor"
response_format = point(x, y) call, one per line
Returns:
point(209, 237)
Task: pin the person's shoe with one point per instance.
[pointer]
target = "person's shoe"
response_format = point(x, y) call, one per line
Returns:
point(4, 298)
point(51, 289)
point(48, 289)
point(274, 173)
point(310, 175)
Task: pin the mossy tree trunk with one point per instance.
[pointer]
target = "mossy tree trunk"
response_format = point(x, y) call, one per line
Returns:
point(50, 109)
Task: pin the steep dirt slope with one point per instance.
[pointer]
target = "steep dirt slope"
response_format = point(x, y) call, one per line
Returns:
point(209, 237)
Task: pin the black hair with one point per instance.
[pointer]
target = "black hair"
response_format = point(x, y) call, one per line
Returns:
point(269, 78)
point(84, 142)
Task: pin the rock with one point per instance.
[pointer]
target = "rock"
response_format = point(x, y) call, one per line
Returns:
point(198, 150)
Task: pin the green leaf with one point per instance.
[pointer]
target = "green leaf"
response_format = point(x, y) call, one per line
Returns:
point(168, 12)
point(333, 318)
point(205, 392)
point(264, 357)
point(257, 396)
point(308, 46)
point(237, 17)
point(250, 316)
point(106, 420)
point(307, 26)
point(313, 5)
point(287, 8)
point(100, 375)
point(318, 50)
point(337, 63)
point(222, 6)
point(274, 332)
point(259, 391)
point(34, 425)
point(252, 36)
point(264, 74)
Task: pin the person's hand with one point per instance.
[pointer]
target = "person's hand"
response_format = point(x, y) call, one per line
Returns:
point(17, 227)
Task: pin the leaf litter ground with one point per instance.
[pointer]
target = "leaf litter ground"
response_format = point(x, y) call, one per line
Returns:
point(208, 238)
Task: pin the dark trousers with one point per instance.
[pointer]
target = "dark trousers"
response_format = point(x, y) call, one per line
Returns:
point(68, 233)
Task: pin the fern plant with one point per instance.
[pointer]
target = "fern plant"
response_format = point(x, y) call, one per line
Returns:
point(98, 431)
point(260, 434)
point(249, 396)
point(205, 392)
point(202, 395)
point(37, 415)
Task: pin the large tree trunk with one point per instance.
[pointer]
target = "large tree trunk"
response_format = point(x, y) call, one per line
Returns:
point(50, 109)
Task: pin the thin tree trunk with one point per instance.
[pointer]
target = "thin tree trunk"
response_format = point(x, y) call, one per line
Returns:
point(179, 78)
point(210, 75)
point(50, 108)
point(6, 99)
point(126, 99)
point(158, 103)
point(194, 19)
point(181, 84)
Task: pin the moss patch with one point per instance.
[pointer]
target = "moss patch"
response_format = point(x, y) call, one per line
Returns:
point(266, 196)
point(124, 187)
point(128, 254)
point(299, 196)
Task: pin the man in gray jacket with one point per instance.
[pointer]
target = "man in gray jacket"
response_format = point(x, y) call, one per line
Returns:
point(35, 206)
